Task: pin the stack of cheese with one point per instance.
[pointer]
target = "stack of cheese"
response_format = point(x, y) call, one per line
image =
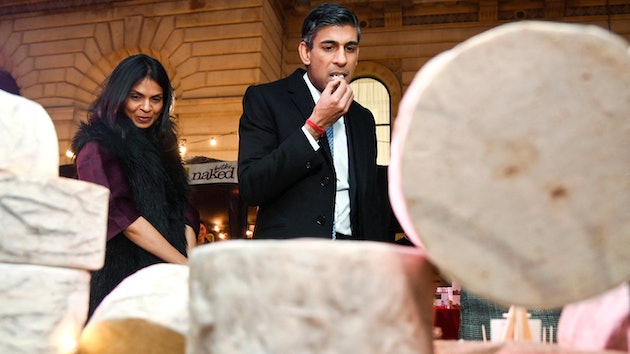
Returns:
point(52, 234)
point(310, 296)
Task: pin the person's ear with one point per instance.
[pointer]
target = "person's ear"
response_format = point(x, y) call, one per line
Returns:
point(305, 53)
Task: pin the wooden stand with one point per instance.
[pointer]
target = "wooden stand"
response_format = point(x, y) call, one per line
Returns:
point(517, 327)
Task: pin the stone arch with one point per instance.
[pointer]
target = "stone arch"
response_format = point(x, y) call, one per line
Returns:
point(6, 63)
point(387, 77)
point(154, 36)
point(7, 44)
point(74, 83)
point(98, 72)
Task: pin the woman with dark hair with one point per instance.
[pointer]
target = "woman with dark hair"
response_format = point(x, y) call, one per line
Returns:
point(129, 145)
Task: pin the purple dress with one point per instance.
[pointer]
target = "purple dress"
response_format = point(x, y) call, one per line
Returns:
point(97, 165)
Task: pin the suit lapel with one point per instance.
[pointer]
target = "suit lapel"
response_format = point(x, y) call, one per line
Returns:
point(301, 97)
point(353, 155)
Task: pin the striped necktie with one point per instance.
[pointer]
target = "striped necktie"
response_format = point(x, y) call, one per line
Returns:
point(331, 144)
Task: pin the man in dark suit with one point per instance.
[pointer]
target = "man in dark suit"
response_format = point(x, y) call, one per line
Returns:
point(285, 164)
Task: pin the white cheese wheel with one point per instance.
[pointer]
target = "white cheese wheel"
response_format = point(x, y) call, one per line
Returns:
point(511, 163)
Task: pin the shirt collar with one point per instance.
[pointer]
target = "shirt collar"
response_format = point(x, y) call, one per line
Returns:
point(314, 92)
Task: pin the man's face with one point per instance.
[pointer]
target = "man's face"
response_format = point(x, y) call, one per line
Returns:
point(335, 53)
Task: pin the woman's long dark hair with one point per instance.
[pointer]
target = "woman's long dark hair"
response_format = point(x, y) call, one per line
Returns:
point(110, 104)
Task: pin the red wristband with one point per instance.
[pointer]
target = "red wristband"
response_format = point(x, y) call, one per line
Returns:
point(317, 128)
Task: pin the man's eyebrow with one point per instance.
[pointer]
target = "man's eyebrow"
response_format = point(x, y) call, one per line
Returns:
point(330, 41)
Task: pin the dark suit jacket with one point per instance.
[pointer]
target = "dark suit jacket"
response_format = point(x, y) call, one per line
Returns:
point(293, 185)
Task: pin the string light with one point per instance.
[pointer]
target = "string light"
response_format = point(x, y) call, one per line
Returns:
point(249, 233)
point(213, 141)
point(182, 147)
point(67, 335)
point(220, 234)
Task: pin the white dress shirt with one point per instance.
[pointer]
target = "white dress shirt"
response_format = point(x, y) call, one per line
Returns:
point(340, 158)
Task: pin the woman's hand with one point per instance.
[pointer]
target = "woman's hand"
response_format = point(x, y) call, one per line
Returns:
point(191, 239)
point(143, 234)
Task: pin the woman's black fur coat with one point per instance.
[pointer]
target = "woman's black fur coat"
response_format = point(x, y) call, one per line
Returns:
point(160, 189)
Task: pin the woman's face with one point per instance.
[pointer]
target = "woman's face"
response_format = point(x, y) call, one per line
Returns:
point(144, 103)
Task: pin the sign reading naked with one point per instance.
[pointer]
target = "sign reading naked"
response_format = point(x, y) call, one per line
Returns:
point(212, 172)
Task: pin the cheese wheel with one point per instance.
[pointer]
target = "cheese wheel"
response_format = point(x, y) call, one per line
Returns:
point(511, 163)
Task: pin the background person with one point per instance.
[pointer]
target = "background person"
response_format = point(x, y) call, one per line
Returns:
point(203, 233)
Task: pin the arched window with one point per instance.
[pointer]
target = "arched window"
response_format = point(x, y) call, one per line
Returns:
point(373, 95)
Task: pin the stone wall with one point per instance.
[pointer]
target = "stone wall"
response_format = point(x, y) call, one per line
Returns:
point(212, 53)
point(214, 49)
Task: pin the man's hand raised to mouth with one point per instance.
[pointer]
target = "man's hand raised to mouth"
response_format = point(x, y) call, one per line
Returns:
point(334, 102)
